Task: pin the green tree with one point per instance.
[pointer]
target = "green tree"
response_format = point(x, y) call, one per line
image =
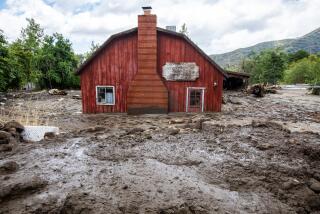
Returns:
point(306, 70)
point(25, 50)
point(4, 63)
point(266, 67)
point(10, 77)
point(293, 57)
point(57, 63)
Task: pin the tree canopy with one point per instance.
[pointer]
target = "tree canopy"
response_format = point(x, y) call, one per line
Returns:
point(46, 61)
point(274, 66)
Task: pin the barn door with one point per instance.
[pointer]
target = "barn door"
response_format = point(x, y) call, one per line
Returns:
point(195, 99)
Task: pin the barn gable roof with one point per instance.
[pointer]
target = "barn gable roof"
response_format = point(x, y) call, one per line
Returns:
point(134, 30)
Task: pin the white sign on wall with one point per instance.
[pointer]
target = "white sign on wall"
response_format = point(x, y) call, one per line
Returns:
point(183, 71)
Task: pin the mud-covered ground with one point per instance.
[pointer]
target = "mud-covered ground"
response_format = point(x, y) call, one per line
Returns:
point(260, 155)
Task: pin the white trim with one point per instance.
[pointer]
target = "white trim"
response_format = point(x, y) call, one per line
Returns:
point(114, 93)
point(187, 100)
point(187, 97)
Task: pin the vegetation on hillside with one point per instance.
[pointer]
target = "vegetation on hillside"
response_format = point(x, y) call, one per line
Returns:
point(275, 66)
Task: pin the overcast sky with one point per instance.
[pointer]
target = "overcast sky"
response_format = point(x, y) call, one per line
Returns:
point(217, 26)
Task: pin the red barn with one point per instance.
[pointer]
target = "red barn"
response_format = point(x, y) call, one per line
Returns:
point(150, 70)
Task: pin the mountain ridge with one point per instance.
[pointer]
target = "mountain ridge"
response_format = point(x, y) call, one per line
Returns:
point(309, 42)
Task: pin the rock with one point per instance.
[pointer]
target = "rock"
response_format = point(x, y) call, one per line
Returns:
point(3, 99)
point(9, 167)
point(198, 123)
point(26, 186)
point(314, 202)
point(49, 135)
point(6, 148)
point(5, 137)
point(258, 90)
point(290, 184)
point(95, 129)
point(314, 185)
point(264, 146)
point(173, 131)
point(13, 124)
point(77, 97)
point(177, 121)
point(135, 130)
point(57, 92)
point(235, 101)
point(224, 100)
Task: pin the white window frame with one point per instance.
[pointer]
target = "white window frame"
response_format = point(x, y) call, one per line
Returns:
point(187, 97)
point(114, 92)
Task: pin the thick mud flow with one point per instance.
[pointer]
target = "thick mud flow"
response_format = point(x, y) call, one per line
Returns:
point(257, 156)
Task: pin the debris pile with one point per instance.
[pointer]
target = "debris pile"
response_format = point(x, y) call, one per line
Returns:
point(315, 90)
point(10, 133)
point(260, 90)
point(257, 90)
point(57, 92)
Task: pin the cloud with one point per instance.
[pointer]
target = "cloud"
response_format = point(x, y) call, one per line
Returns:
point(217, 26)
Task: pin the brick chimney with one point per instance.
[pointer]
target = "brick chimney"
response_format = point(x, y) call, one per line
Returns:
point(147, 93)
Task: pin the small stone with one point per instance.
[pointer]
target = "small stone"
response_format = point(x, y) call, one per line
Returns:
point(314, 185)
point(177, 121)
point(49, 135)
point(173, 131)
point(290, 184)
point(264, 146)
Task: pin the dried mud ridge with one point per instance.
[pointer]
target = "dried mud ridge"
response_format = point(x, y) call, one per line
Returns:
point(181, 163)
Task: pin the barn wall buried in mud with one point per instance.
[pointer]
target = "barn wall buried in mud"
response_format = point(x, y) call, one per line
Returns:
point(175, 49)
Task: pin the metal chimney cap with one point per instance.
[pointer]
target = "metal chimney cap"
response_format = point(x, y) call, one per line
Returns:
point(147, 8)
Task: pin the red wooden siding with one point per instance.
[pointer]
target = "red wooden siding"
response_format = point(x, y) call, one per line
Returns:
point(116, 65)
point(175, 49)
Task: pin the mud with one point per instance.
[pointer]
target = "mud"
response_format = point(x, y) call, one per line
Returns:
point(260, 155)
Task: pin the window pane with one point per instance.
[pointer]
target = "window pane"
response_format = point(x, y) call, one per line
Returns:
point(195, 98)
point(105, 95)
point(109, 98)
point(101, 95)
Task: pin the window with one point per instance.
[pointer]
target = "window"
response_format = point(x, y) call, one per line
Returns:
point(105, 95)
point(195, 97)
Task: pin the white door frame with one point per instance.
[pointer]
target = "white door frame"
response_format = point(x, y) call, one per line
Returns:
point(187, 97)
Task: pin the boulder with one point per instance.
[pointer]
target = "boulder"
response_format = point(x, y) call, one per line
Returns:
point(13, 125)
point(173, 131)
point(314, 185)
point(135, 130)
point(5, 137)
point(27, 185)
point(57, 92)
point(9, 167)
point(6, 147)
point(235, 101)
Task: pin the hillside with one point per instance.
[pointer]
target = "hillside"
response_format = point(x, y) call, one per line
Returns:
point(309, 42)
